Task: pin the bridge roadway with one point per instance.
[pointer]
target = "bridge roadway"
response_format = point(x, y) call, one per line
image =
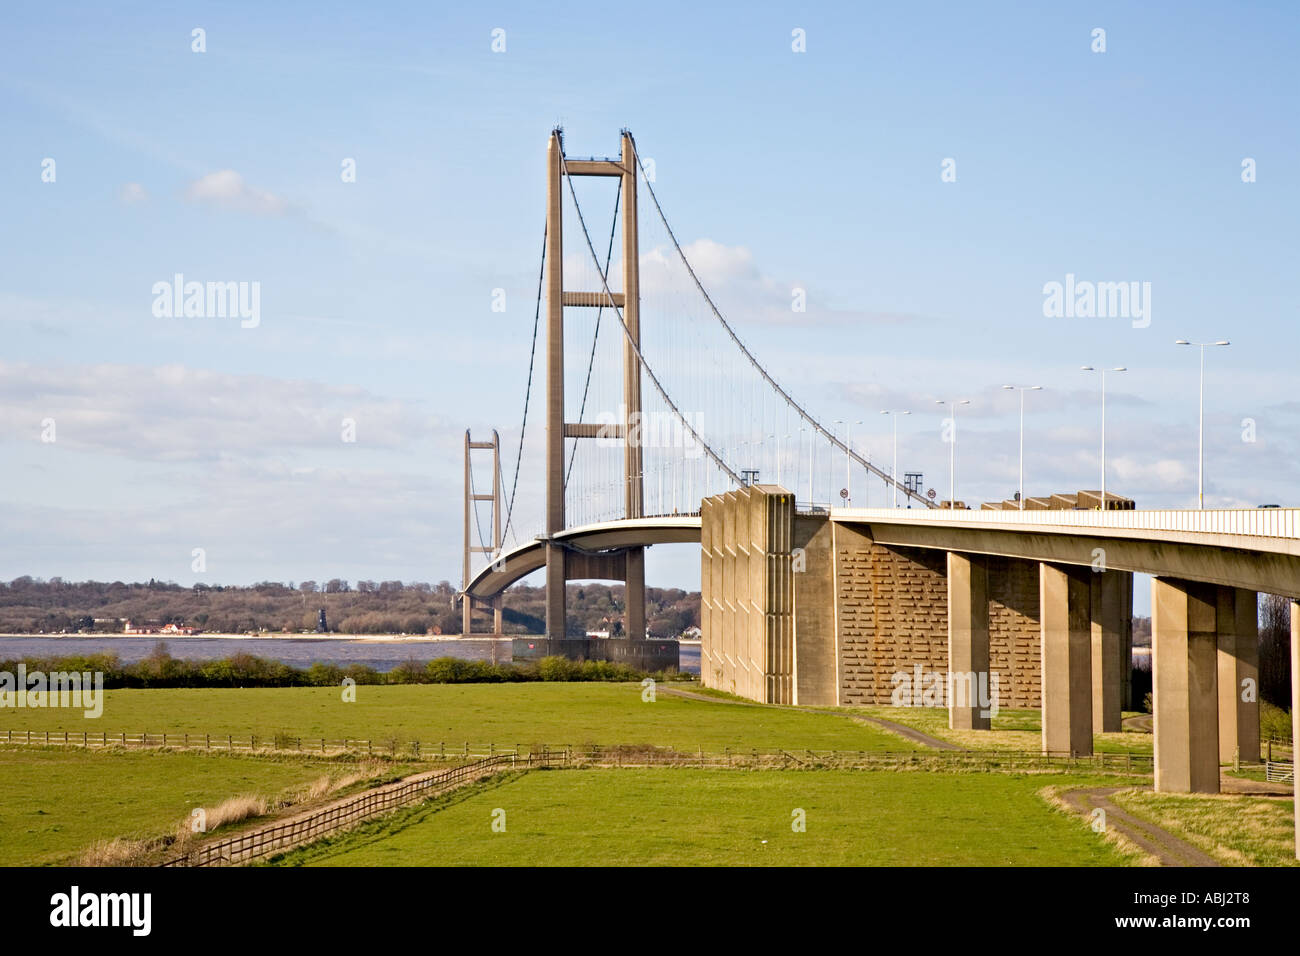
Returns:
point(1255, 549)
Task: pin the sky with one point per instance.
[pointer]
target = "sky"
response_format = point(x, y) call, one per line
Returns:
point(922, 173)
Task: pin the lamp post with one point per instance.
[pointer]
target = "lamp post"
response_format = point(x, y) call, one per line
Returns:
point(1022, 389)
point(848, 460)
point(952, 451)
point(893, 474)
point(1089, 368)
point(1200, 441)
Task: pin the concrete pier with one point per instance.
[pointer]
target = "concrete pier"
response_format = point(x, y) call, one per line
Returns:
point(1066, 596)
point(1184, 664)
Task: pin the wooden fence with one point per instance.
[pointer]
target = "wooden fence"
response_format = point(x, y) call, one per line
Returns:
point(568, 754)
point(263, 842)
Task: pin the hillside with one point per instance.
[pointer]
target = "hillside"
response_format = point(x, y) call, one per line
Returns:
point(33, 606)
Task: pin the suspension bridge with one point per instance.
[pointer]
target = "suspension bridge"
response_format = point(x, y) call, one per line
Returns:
point(673, 431)
point(667, 406)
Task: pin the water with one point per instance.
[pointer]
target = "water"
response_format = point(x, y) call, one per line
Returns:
point(295, 651)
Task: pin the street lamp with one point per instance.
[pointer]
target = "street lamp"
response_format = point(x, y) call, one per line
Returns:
point(952, 451)
point(1089, 368)
point(1022, 389)
point(1200, 442)
point(893, 474)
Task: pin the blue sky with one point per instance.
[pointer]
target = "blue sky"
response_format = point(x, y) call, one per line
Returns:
point(819, 170)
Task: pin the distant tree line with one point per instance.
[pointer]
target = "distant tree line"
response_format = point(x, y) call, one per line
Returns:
point(160, 669)
point(34, 606)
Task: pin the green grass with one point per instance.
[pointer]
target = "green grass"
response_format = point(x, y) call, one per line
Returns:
point(482, 714)
point(1239, 830)
point(702, 817)
point(55, 803)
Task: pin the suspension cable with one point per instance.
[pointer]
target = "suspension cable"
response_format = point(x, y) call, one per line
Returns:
point(753, 361)
point(636, 348)
point(528, 392)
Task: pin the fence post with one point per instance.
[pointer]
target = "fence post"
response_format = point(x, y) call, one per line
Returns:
point(300, 743)
point(230, 742)
point(370, 748)
point(322, 745)
point(467, 748)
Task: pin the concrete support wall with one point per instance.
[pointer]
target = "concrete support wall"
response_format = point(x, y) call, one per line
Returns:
point(1066, 648)
point(968, 642)
point(747, 645)
point(1107, 607)
point(1184, 663)
point(813, 579)
point(834, 616)
point(1014, 631)
point(892, 616)
point(1237, 626)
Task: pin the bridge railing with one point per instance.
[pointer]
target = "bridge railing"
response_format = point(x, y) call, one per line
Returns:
point(1254, 522)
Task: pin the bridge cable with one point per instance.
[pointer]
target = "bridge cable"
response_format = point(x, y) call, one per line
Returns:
point(636, 348)
point(528, 391)
point(754, 362)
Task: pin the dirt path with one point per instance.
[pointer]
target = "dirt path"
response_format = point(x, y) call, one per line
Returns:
point(1142, 723)
point(916, 736)
point(1163, 845)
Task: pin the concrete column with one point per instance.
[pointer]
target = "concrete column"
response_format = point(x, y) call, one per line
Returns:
point(1107, 620)
point(1295, 707)
point(555, 576)
point(1065, 594)
point(634, 595)
point(1184, 665)
point(968, 642)
point(1238, 677)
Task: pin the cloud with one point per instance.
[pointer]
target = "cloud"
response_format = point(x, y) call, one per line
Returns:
point(132, 193)
point(744, 293)
point(174, 413)
point(227, 189)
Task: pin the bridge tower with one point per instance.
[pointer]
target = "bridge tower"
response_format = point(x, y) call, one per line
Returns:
point(561, 564)
point(471, 501)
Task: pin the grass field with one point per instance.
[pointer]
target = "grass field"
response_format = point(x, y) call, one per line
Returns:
point(55, 803)
point(482, 714)
point(1238, 830)
point(694, 817)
